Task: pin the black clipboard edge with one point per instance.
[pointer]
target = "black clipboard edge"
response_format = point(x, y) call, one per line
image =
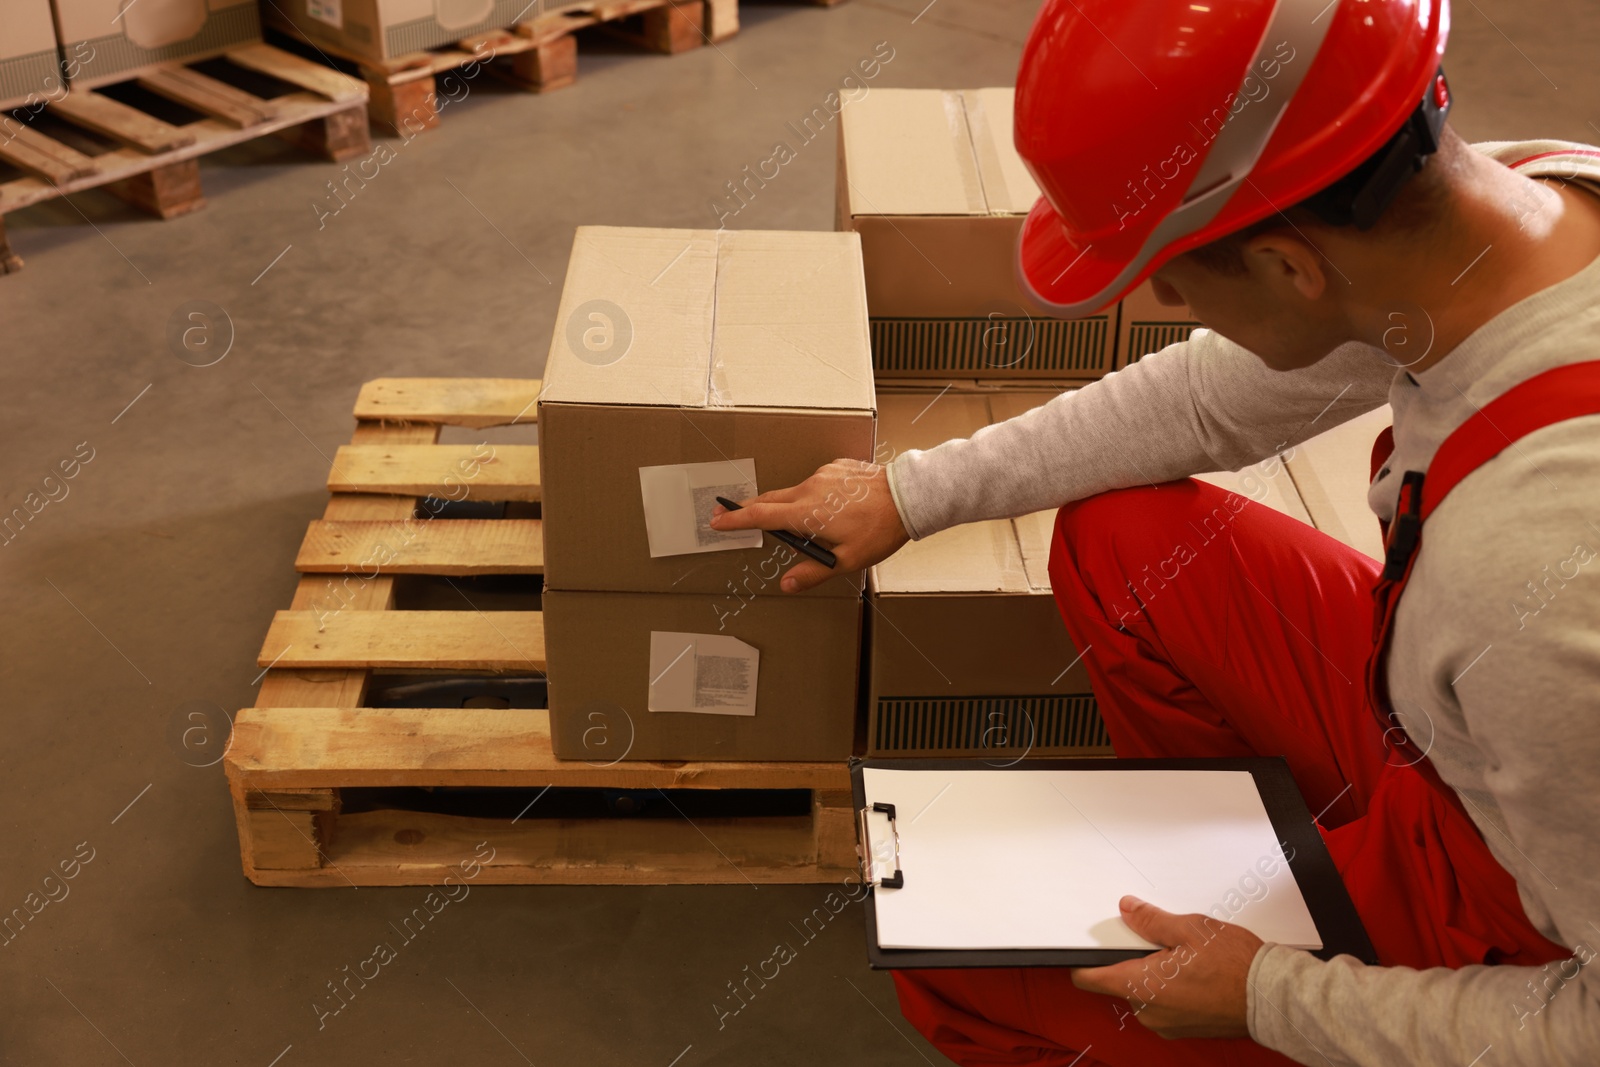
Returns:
point(1324, 892)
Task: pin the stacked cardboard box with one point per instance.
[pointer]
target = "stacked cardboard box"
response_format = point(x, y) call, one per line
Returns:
point(683, 360)
point(28, 67)
point(379, 30)
point(931, 182)
point(967, 654)
point(105, 40)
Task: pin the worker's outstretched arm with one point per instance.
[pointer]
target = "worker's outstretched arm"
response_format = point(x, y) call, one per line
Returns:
point(1202, 405)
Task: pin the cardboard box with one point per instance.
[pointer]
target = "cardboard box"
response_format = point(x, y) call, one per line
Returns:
point(966, 651)
point(931, 181)
point(598, 650)
point(107, 40)
point(1145, 325)
point(379, 30)
point(696, 346)
point(29, 67)
point(1331, 473)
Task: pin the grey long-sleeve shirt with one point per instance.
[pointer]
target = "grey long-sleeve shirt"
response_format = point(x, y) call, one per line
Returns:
point(1495, 662)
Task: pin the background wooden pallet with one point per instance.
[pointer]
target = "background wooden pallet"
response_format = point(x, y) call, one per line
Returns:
point(539, 55)
point(92, 139)
point(295, 757)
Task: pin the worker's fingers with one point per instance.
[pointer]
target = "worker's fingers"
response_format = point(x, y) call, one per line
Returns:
point(1162, 927)
point(754, 516)
point(804, 575)
point(786, 495)
point(845, 506)
point(1112, 980)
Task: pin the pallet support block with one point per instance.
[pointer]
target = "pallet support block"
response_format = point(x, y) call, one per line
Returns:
point(291, 830)
point(404, 109)
point(340, 136)
point(549, 64)
point(677, 26)
point(721, 19)
point(165, 192)
point(9, 260)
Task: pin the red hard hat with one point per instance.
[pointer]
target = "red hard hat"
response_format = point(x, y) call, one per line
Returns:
point(1156, 126)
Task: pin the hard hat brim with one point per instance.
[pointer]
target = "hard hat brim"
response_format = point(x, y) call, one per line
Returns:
point(1067, 277)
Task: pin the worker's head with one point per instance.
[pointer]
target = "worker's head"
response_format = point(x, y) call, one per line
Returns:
point(1239, 153)
point(1288, 286)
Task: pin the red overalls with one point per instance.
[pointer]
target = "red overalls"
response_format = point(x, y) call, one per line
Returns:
point(1213, 626)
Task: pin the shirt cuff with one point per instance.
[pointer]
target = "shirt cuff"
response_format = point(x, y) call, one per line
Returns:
point(1275, 974)
point(892, 471)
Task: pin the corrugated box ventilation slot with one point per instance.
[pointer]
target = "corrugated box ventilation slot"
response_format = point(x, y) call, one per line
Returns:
point(1147, 337)
point(1007, 725)
point(986, 346)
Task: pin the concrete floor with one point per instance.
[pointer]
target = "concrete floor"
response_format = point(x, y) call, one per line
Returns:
point(150, 585)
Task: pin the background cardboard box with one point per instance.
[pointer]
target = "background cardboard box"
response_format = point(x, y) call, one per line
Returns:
point(742, 344)
point(966, 651)
point(1331, 473)
point(383, 29)
point(931, 181)
point(28, 62)
point(106, 40)
point(598, 650)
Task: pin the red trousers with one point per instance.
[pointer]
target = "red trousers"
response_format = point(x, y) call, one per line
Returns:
point(1215, 626)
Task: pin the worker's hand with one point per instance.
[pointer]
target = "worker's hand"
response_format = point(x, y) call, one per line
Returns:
point(845, 506)
point(1194, 987)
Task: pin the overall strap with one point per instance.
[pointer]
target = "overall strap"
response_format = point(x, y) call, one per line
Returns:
point(1563, 393)
point(1568, 392)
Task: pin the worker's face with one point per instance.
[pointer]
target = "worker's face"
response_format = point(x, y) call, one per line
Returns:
point(1261, 309)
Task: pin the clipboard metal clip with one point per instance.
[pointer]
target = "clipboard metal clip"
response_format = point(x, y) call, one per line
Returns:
point(879, 855)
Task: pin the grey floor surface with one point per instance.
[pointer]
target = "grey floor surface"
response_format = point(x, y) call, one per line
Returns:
point(150, 585)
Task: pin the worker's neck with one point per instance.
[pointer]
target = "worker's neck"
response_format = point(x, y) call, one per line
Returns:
point(1505, 238)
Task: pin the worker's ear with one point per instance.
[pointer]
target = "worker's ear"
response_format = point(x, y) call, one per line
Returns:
point(1286, 258)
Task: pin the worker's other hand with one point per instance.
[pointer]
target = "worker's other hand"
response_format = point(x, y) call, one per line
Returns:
point(1194, 987)
point(845, 506)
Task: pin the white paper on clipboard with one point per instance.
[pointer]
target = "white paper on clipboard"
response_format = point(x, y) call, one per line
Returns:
point(999, 859)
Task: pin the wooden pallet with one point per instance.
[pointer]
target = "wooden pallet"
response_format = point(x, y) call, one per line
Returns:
point(90, 139)
point(538, 55)
point(308, 741)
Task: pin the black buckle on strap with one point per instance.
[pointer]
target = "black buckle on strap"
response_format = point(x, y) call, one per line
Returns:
point(1406, 530)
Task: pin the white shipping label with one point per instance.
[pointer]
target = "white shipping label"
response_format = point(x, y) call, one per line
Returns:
point(329, 11)
point(708, 673)
point(679, 498)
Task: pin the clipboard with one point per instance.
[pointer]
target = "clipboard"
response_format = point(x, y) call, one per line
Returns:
point(1338, 925)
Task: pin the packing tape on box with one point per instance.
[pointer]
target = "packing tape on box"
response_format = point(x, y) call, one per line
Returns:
point(991, 178)
point(955, 113)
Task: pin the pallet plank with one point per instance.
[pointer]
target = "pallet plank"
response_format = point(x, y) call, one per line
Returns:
point(444, 546)
point(471, 402)
point(209, 96)
point(433, 640)
point(285, 66)
point(300, 748)
point(759, 851)
point(117, 120)
point(46, 157)
point(454, 472)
